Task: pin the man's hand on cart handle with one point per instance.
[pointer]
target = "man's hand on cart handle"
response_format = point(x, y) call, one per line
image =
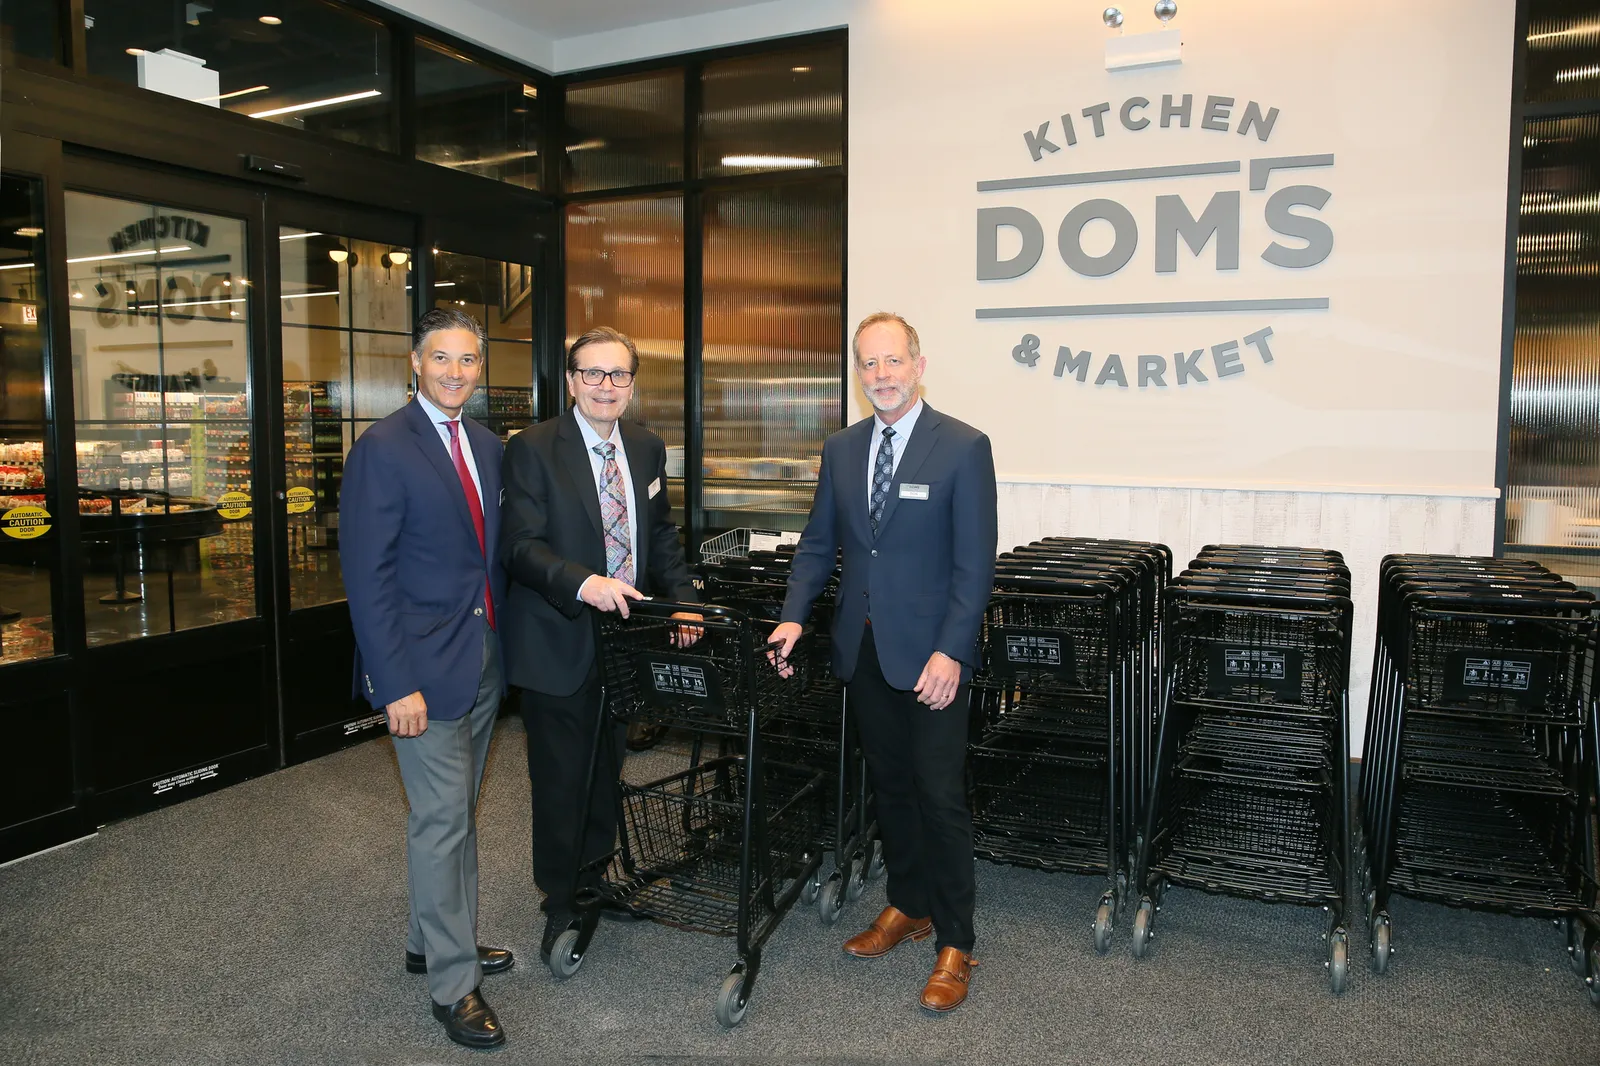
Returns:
point(608, 594)
point(687, 635)
point(785, 635)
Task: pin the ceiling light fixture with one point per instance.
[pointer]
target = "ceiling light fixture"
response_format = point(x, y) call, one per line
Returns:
point(300, 236)
point(134, 51)
point(29, 231)
point(329, 102)
point(130, 255)
point(77, 291)
point(339, 255)
point(800, 70)
point(396, 257)
point(270, 20)
point(230, 96)
point(776, 162)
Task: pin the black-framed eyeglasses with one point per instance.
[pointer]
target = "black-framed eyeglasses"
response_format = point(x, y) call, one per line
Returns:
point(594, 376)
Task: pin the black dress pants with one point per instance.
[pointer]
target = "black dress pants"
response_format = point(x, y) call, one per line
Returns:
point(917, 762)
point(561, 735)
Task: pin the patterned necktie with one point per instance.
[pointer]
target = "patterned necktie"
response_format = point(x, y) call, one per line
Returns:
point(614, 515)
point(882, 475)
point(474, 507)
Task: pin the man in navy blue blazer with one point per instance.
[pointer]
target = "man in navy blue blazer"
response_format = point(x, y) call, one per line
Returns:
point(909, 495)
point(419, 516)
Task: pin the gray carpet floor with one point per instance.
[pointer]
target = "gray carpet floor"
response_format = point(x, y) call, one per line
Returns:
point(265, 924)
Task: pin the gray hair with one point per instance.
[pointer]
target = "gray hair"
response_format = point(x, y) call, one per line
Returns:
point(913, 344)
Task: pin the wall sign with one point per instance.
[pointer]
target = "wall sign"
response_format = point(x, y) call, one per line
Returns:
point(1011, 238)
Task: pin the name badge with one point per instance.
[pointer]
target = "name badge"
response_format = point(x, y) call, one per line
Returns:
point(655, 488)
point(909, 491)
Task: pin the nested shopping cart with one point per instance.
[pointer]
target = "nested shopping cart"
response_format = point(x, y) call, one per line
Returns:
point(1056, 709)
point(1480, 771)
point(815, 730)
point(727, 845)
point(1250, 793)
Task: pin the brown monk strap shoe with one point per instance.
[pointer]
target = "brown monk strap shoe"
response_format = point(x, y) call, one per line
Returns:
point(887, 932)
point(947, 988)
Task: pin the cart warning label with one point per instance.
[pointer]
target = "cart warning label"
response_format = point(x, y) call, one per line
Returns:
point(188, 777)
point(233, 505)
point(1257, 664)
point(1250, 671)
point(1015, 650)
point(25, 523)
point(1520, 677)
point(300, 500)
point(676, 679)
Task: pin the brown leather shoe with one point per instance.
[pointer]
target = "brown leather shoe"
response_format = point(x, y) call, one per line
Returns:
point(947, 988)
point(887, 932)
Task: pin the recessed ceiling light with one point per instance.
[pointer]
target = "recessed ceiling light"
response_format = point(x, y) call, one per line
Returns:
point(271, 20)
point(134, 51)
point(29, 231)
point(801, 70)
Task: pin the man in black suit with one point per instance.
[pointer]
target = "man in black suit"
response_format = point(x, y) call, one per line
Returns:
point(909, 495)
point(587, 525)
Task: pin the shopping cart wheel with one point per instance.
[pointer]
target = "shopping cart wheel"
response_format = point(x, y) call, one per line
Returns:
point(1575, 947)
point(1594, 973)
point(830, 901)
point(731, 1001)
point(564, 957)
point(1338, 961)
point(875, 865)
point(1143, 927)
point(1382, 930)
point(808, 893)
point(855, 879)
point(1103, 920)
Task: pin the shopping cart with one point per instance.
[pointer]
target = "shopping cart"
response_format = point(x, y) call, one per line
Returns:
point(1249, 794)
point(1057, 710)
point(815, 730)
point(727, 845)
point(1480, 773)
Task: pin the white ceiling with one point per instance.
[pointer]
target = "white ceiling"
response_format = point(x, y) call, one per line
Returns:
point(574, 18)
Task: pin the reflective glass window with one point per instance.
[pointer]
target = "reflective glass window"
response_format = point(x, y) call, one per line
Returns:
point(779, 111)
point(161, 367)
point(625, 270)
point(29, 28)
point(773, 294)
point(346, 362)
point(1563, 50)
point(308, 64)
point(625, 131)
point(28, 470)
point(474, 118)
point(500, 295)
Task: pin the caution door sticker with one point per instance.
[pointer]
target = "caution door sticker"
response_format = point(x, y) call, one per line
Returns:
point(234, 505)
point(301, 500)
point(25, 523)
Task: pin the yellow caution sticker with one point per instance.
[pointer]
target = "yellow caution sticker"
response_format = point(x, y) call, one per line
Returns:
point(234, 505)
point(25, 523)
point(300, 499)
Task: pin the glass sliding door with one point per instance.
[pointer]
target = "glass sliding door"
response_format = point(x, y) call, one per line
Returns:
point(501, 296)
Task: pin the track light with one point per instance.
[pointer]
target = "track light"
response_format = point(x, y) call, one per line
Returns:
point(100, 288)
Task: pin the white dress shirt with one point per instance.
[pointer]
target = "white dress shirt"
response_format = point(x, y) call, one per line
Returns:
point(902, 436)
point(439, 418)
point(598, 465)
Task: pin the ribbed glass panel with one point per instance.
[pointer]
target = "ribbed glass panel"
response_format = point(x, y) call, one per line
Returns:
point(475, 118)
point(624, 131)
point(1563, 50)
point(773, 273)
point(773, 112)
point(625, 270)
point(1553, 495)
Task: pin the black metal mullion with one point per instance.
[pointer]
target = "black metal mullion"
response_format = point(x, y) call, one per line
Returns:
point(1508, 314)
point(265, 309)
point(693, 318)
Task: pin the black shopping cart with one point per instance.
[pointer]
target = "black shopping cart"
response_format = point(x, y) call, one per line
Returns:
point(727, 845)
point(1249, 794)
point(1057, 710)
point(1479, 775)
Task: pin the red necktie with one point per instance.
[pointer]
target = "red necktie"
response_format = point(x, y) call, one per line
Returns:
point(474, 508)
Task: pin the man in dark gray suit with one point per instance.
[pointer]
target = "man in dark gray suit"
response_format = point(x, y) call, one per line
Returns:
point(909, 494)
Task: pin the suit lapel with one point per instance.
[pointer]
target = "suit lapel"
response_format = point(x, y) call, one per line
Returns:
point(640, 472)
point(575, 457)
point(433, 449)
point(854, 483)
point(921, 443)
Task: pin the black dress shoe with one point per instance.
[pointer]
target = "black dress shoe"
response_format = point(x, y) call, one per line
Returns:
point(493, 960)
point(470, 1021)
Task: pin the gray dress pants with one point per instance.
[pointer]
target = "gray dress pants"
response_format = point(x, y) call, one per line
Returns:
point(442, 770)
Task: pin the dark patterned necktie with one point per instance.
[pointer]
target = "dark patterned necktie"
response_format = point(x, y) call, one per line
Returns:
point(614, 515)
point(882, 475)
